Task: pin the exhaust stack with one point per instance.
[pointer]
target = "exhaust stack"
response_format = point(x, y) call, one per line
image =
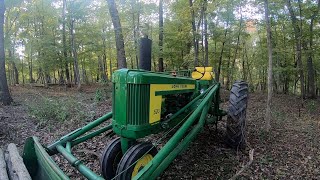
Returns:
point(145, 54)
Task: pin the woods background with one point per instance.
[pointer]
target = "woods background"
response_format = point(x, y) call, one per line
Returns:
point(73, 41)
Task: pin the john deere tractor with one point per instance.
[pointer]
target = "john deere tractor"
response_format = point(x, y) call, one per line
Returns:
point(146, 103)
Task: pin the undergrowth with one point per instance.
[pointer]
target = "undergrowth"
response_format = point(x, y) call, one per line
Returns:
point(311, 106)
point(57, 110)
point(102, 93)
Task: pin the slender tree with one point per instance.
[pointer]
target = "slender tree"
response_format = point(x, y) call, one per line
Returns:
point(121, 55)
point(231, 69)
point(5, 94)
point(135, 14)
point(65, 54)
point(222, 48)
point(75, 56)
point(161, 35)
point(311, 74)
point(194, 33)
point(269, 42)
point(103, 69)
point(206, 43)
point(298, 38)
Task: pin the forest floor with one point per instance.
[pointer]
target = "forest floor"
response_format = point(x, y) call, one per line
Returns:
point(289, 151)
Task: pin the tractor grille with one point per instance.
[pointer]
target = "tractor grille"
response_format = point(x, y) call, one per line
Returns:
point(138, 96)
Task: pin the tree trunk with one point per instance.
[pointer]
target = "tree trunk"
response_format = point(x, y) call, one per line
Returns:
point(84, 71)
point(194, 33)
point(244, 71)
point(298, 39)
point(98, 72)
point(311, 75)
point(285, 76)
point(227, 68)
point(121, 56)
point(135, 30)
point(206, 44)
point(9, 79)
point(13, 79)
point(201, 21)
point(65, 54)
point(31, 80)
point(102, 69)
point(104, 56)
point(230, 70)
point(248, 67)
point(161, 35)
point(22, 72)
point(276, 75)
point(105, 67)
point(222, 49)
point(15, 71)
point(131, 60)
point(75, 56)
point(6, 97)
point(269, 42)
point(110, 62)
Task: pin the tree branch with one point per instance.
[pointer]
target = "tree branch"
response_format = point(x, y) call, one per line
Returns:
point(244, 167)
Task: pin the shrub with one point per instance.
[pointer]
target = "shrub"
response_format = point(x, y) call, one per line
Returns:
point(311, 106)
point(102, 94)
point(57, 110)
point(49, 109)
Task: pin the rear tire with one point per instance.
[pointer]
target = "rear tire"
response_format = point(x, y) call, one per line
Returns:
point(236, 119)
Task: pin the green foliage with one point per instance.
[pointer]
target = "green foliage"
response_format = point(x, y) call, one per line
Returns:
point(312, 106)
point(57, 110)
point(98, 95)
point(102, 93)
point(49, 109)
point(33, 38)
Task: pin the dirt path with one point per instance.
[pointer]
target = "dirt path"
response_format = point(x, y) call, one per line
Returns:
point(290, 151)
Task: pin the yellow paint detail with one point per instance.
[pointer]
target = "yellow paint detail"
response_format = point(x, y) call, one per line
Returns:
point(141, 163)
point(203, 73)
point(204, 69)
point(156, 101)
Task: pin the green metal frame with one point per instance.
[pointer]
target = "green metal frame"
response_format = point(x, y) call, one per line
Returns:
point(41, 166)
point(180, 140)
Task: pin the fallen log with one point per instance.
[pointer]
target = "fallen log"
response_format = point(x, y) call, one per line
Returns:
point(15, 166)
point(3, 169)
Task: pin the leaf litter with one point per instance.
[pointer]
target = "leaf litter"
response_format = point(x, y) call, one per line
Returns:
point(289, 151)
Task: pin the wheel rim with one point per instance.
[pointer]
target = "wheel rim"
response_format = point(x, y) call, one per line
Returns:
point(134, 160)
point(142, 162)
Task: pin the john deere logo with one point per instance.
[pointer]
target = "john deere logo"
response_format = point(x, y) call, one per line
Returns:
point(176, 86)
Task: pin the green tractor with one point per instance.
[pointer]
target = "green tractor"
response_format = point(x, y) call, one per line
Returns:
point(146, 103)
